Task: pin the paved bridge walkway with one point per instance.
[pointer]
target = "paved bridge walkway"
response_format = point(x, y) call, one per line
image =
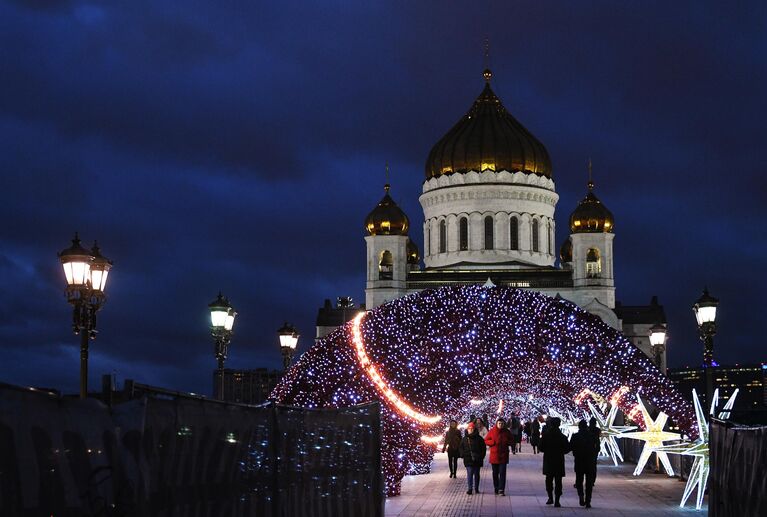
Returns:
point(617, 493)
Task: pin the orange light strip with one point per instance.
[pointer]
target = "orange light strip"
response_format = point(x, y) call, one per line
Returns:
point(380, 382)
point(435, 440)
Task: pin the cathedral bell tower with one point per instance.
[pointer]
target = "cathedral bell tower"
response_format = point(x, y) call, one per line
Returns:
point(590, 252)
point(390, 253)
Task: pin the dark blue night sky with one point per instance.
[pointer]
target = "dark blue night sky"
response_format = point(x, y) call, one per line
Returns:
point(240, 145)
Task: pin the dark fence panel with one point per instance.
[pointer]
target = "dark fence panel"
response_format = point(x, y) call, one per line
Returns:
point(186, 457)
point(738, 479)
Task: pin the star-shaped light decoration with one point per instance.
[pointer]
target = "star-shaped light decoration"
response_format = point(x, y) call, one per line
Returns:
point(653, 436)
point(699, 448)
point(609, 432)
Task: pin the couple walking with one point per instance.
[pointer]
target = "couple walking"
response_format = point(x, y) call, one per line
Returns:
point(585, 447)
point(473, 447)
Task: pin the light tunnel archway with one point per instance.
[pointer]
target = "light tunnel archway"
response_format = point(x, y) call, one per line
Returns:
point(445, 353)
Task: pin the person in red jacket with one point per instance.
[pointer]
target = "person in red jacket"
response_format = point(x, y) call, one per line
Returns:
point(499, 440)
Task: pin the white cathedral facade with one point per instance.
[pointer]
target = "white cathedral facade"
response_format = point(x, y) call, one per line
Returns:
point(488, 200)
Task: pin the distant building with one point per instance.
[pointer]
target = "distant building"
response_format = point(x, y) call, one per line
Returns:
point(330, 318)
point(750, 379)
point(246, 386)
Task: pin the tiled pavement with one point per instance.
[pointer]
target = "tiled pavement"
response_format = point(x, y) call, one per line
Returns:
point(616, 493)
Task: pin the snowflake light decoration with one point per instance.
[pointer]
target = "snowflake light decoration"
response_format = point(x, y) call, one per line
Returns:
point(608, 446)
point(431, 356)
point(653, 436)
point(699, 448)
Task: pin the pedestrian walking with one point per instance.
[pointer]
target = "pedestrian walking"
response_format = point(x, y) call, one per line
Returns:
point(499, 439)
point(516, 433)
point(535, 433)
point(585, 448)
point(554, 446)
point(453, 447)
point(473, 454)
point(479, 424)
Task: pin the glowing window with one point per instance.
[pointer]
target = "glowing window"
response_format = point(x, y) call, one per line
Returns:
point(593, 263)
point(385, 266)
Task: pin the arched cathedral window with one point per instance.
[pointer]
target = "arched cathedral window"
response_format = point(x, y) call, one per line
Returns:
point(513, 233)
point(442, 236)
point(463, 234)
point(489, 230)
point(386, 266)
point(593, 263)
point(536, 246)
point(550, 237)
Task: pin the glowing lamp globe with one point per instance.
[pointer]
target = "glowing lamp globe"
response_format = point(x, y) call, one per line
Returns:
point(705, 309)
point(76, 262)
point(288, 336)
point(229, 321)
point(219, 312)
point(657, 334)
point(99, 270)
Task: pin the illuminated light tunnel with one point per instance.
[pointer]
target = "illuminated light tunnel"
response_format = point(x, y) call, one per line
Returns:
point(454, 351)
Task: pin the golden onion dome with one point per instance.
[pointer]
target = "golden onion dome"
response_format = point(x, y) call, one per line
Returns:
point(488, 137)
point(387, 218)
point(413, 255)
point(591, 216)
point(566, 251)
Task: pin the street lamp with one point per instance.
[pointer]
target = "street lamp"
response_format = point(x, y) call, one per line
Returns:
point(288, 341)
point(222, 316)
point(705, 313)
point(86, 273)
point(658, 342)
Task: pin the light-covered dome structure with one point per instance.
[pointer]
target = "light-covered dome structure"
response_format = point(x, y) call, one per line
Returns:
point(422, 355)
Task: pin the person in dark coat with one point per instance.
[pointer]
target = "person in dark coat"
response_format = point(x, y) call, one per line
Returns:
point(585, 448)
point(535, 433)
point(516, 432)
point(473, 454)
point(554, 446)
point(499, 439)
point(453, 446)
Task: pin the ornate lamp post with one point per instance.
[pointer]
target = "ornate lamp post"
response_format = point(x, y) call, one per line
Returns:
point(288, 341)
point(705, 314)
point(658, 342)
point(86, 272)
point(222, 316)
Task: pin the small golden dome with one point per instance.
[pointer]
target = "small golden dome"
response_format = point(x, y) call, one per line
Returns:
point(591, 216)
point(566, 251)
point(413, 256)
point(387, 218)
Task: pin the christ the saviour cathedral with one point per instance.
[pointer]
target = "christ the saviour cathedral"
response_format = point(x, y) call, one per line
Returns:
point(488, 201)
